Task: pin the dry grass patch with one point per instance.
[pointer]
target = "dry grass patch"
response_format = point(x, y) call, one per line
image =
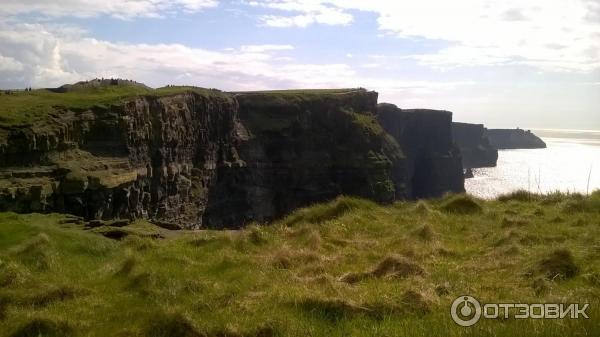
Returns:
point(287, 258)
point(390, 267)
point(425, 233)
point(513, 222)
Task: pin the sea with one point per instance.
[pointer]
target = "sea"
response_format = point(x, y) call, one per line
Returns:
point(570, 163)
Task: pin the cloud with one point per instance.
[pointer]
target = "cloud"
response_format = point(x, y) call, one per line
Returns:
point(593, 14)
point(479, 32)
point(305, 13)
point(48, 56)
point(44, 56)
point(265, 48)
point(92, 8)
point(514, 14)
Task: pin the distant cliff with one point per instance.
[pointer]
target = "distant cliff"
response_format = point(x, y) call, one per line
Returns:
point(474, 145)
point(434, 163)
point(197, 158)
point(514, 139)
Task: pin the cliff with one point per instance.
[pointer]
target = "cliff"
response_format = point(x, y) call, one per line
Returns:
point(474, 145)
point(300, 148)
point(433, 161)
point(514, 139)
point(192, 158)
point(147, 157)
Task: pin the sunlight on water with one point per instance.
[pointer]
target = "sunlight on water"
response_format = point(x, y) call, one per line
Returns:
point(565, 166)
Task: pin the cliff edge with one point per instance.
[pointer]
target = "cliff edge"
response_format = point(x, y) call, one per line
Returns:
point(475, 147)
point(195, 158)
point(514, 139)
point(433, 161)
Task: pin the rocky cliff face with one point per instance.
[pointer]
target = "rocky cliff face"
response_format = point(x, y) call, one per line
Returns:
point(151, 157)
point(304, 148)
point(434, 163)
point(474, 145)
point(514, 139)
point(218, 160)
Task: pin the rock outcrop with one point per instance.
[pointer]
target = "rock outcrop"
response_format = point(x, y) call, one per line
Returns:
point(474, 146)
point(205, 158)
point(433, 161)
point(514, 139)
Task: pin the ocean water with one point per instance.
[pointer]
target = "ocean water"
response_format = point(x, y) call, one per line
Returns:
point(570, 163)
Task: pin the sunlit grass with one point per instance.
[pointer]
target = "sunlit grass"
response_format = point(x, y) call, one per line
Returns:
point(26, 107)
point(344, 268)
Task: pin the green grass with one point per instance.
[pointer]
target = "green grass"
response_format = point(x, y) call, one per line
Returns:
point(303, 91)
point(27, 107)
point(344, 268)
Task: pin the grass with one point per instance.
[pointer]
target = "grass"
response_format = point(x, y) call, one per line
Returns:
point(27, 107)
point(304, 91)
point(344, 268)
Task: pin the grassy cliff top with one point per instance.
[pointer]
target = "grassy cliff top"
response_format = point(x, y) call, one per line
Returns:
point(18, 107)
point(25, 107)
point(303, 91)
point(344, 268)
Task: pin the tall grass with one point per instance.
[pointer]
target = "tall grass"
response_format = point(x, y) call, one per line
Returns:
point(348, 267)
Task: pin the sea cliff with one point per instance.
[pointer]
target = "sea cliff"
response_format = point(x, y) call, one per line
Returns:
point(195, 158)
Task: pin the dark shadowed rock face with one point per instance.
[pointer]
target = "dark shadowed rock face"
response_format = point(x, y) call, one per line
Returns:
point(221, 160)
point(425, 136)
point(474, 146)
point(304, 148)
point(514, 139)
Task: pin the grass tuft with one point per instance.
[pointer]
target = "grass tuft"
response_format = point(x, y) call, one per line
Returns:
point(172, 325)
point(415, 302)
point(461, 204)
point(519, 195)
point(513, 222)
point(325, 212)
point(52, 295)
point(127, 266)
point(36, 253)
point(286, 258)
point(390, 267)
point(425, 233)
point(559, 264)
point(331, 309)
point(397, 267)
point(43, 327)
point(422, 208)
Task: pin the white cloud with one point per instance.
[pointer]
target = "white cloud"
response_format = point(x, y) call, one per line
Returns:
point(49, 57)
point(114, 8)
point(306, 13)
point(480, 32)
point(9, 64)
point(54, 56)
point(265, 48)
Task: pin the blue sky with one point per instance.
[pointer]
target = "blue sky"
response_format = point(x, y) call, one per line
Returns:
point(532, 63)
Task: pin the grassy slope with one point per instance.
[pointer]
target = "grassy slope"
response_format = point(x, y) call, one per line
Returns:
point(284, 279)
point(23, 107)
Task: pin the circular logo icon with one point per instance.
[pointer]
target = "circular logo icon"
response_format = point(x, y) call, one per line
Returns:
point(465, 310)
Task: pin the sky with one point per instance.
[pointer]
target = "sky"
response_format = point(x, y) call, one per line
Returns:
point(510, 63)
